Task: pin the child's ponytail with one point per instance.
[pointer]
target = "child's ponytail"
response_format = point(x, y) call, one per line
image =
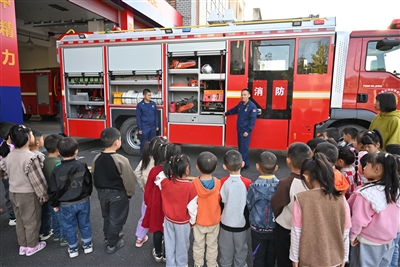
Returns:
point(170, 151)
point(319, 169)
point(356, 178)
point(349, 155)
point(390, 176)
point(5, 127)
point(4, 148)
point(150, 149)
point(176, 166)
point(379, 136)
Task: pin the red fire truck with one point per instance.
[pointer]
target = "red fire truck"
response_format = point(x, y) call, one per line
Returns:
point(303, 74)
point(40, 91)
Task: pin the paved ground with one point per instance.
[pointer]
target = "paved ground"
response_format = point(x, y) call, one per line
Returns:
point(54, 255)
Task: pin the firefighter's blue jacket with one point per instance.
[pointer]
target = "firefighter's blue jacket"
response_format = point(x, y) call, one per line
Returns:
point(146, 114)
point(247, 115)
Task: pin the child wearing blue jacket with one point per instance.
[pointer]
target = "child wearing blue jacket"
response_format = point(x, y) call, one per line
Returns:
point(262, 221)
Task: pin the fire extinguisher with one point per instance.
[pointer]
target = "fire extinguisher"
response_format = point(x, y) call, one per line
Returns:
point(89, 111)
point(79, 111)
point(99, 113)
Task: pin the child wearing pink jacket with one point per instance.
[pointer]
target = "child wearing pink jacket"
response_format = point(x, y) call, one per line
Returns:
point(375, 213)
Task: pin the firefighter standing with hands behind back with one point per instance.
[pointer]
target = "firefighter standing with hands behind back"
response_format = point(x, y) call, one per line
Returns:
point(147, 119)
point(247, 114)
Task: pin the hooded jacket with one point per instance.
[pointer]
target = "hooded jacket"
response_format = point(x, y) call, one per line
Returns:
point(209, 209)
point(259, 203)
point(389, 125)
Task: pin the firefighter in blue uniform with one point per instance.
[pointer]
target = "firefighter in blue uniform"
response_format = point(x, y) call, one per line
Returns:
point(146, 118)
point(247, 115)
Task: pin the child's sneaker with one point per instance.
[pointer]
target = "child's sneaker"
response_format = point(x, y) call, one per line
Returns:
point(111, 250)
point(120, 236)
point(56, 238)
point(140, 242)
point(40, 245)
point(63, 242)
point(157, 258)
point(73, 252)
point(46, 236)
point(12, 221)
point(88, 248)
point(22, 250)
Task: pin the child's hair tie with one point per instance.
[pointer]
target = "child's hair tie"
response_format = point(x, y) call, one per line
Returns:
point(20, 127)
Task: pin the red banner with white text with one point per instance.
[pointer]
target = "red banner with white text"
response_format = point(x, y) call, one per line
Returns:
point(259, 93)
point(9, 64)
point(279, 94)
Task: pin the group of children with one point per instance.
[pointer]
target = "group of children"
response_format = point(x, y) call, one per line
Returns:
point(216, 210)
point(338, 200)
point(371, 188)
point(51, 197)
point(31, 182)
point(306, 210)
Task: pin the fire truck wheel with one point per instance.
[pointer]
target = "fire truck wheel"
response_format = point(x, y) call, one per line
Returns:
point(130, 136)
point(27, 116)
point(48, 117)
point(359, 128)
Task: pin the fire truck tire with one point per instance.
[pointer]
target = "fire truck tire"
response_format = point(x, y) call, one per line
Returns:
point(130, 136)
point(48, 117)
point(359, 127)
point(26, 116)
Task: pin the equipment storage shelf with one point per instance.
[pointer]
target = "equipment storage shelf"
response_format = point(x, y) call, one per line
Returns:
point(184, 71)
point(212, 76)
point(183, 102)
point(212, 97)
point(135, 82)
point(93, 103)
point(126, 88)
point(183, 88)
point(85, 96)
point(196, 88)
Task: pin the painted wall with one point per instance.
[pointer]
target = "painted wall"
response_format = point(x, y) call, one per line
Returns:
point(37, 57)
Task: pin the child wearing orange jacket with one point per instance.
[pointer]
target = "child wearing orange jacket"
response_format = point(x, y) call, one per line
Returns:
point(206, 229)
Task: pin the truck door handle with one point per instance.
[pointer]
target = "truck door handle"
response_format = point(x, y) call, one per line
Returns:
point(362, 98)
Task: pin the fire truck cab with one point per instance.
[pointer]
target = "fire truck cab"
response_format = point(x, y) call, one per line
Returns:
point(303, 75)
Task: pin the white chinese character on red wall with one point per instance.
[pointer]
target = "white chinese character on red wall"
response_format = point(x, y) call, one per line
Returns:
point(258, 91)
point(279, 91)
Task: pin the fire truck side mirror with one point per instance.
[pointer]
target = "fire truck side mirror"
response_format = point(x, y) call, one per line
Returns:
point(387, 44)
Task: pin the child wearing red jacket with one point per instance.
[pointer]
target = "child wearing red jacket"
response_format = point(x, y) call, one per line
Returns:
point(179, 202)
